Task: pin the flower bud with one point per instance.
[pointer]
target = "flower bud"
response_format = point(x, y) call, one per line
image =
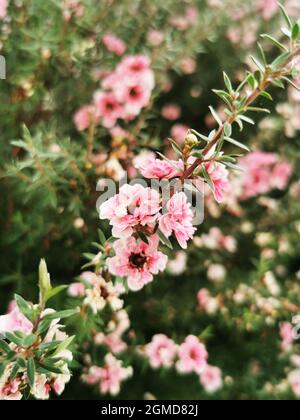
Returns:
point(191, 140)
point(44, 280)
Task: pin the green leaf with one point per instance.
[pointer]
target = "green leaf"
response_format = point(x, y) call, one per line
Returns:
point(143, 237)
point(64, 345)
point(286, 16)
point(24, 307)
point(274, 41)
point(237, 143)
point(29, 340)
point(262, 53)
point(256, 109)
point(258, 63)
point(281, 60)
point(44, 281)
point(54, 291)
point(48, 367)
point(61, 314)
point(291, 83)
point(31, 371)
point(277, 83)
point(266, 95)
point(14, 339)
point(207, 177)
point(4, 346)
point(102, 237)
point(164, 239)
point(233, 166)
point(215, 115)
point(247, 119)
point(227, 129)
point(49, 346)
point(227, 82)
point(177, 149)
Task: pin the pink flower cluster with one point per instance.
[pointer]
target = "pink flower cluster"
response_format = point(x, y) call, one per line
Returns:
point(97, 293)
point(263, 173)
point(136, 209)
point(191, 357)
point(110, 376)
point(123, 93)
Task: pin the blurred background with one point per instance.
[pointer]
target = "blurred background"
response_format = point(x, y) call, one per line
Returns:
point(238, 285)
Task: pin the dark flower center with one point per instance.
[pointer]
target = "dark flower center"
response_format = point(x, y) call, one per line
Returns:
point(137, 260)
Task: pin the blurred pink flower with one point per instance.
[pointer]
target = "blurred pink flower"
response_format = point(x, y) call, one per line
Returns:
point(178, 132)
point(76, 289)
point(84, 117)
point(211, 379)
point(161, 351)
point(3, 8)
point(133, 207)
point(263, 172)
point(155, 37)
point(110, 376)
point(137, 261)
point(268, 8)
point(171, 112)
point(15, 321)
point(107, 108)
point(178, 220)
point(114, 43)
point(192, 356)
point(294, 381)
point(287, 336)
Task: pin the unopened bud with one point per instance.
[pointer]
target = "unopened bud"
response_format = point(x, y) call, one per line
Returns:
point(44, 280)
point(191, 140)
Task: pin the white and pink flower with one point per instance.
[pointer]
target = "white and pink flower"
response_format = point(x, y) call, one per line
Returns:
point(137, 261)
point(192, 356)
point(178, 219)
point(161, 351)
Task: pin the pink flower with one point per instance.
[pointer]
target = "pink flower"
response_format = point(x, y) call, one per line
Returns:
point(84, 117)
point(3, 8)
point(114, 44)
point(161, 351)
point(155, 37)
point(134, 94)
point(137, 261)
point(15, 321)
point(281, 175)
point(178, 132)
point(268, 8)
point(219, 176)
point(160, 169)
point(211, 379)
point(133, 65)
point(113, 341)
point(287, 336)
point(133, 207)
point(76, 290)
point(107, 108)
point(178, 220)
point(206, 302)
point(177, 266)
point(192, 356)
point(294, 381)
point(262, 173)
point(110, 376)
point(171, 112)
